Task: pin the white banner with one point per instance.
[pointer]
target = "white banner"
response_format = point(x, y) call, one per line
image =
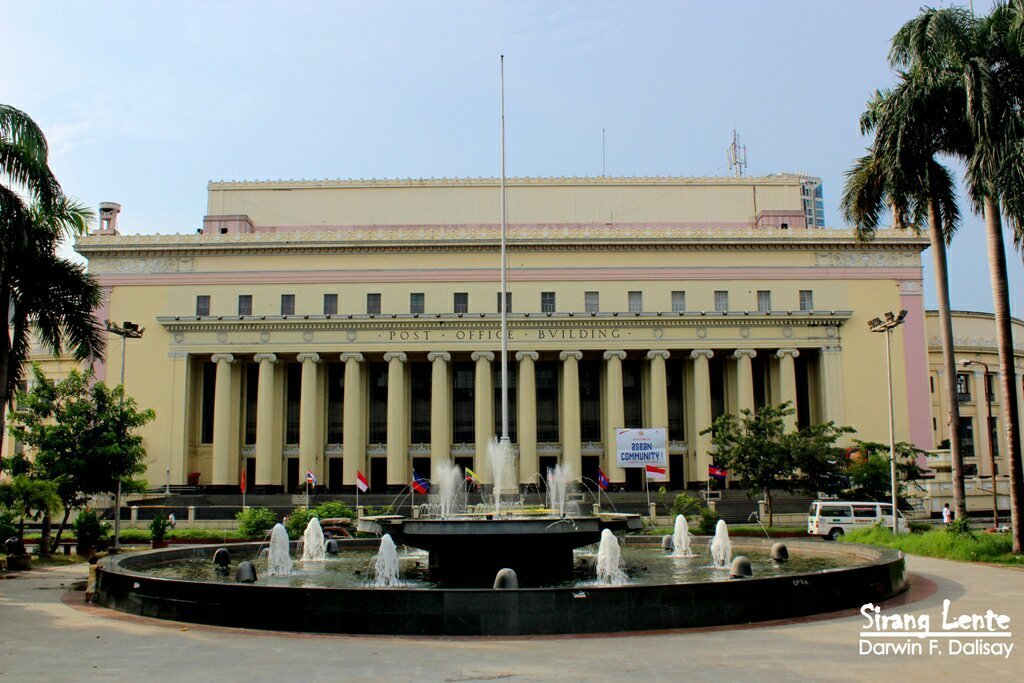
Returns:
point(641, 447)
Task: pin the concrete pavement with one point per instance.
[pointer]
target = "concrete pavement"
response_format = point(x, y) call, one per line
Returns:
point(46, 635)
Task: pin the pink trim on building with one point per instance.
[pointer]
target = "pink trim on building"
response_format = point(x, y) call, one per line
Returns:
point(102, 313)
point(915, 363)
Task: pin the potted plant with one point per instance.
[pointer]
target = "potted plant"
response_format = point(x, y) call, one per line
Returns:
point(88, 532)
point(158, 531)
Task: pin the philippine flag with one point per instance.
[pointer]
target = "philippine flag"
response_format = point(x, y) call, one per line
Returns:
point(419, 484)
point(656, 473)
point(310, 479)
point(602, 480)
point(361, 482)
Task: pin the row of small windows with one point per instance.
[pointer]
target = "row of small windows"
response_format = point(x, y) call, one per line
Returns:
point(591, 302)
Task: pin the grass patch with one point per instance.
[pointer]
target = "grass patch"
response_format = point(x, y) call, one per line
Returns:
point(144, 536)
point(738, 529)
point(967, 547)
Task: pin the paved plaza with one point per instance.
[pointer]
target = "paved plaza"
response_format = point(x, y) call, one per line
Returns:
point(48, 634)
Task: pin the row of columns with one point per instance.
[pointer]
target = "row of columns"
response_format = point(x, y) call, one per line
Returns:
point(268, 465)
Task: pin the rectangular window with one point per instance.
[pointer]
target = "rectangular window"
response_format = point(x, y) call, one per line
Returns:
point(245, 304)
point(721, 301)
point(508, 302)
point(373, 303)
point(591, 302)
point(547, 401)
point(993, 435)
point(330, 304)
point(463, 406)
point(547, 302)
point(963, 387)
point(764, 300)
point(461, 302)
point(512, 435)
point(209, 391)
point(678, 302)
point(335, 402)
point(419, 386)
point(931, 384)
point(293, 396)
point(635, 302)
point(967, 437)
point(202, 305)
point(378, 380)
point(252, 384)
point(287, 304)
point(590, 400)
point(989, 388)
point(806, 300)
point(416, 302)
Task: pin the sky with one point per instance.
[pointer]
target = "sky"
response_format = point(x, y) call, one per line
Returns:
point(143, 103)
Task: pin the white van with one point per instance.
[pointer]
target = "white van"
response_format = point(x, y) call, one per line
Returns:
point(833, 518)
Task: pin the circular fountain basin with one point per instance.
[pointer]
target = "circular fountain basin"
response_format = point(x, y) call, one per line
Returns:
point(864, 574)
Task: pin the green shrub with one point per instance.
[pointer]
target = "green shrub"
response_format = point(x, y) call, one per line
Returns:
point(297, 521)
point(158, 528)
point(685, 505)
point(960, 527)
point(374, 511)
point(89, 530)
point(940, 543)
point(920, 527)
point(708, 521)
point(255, 522)
point(333, 509)
point(135, 536)
point(8, 525)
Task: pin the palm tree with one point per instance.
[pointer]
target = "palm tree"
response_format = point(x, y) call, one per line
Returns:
point(985, 57)
point(901, 172)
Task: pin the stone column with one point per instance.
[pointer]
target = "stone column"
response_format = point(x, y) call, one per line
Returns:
point(398, 421)
point(266, 448)
point(570, 432)
point(483, 411)
point(744, 379)
point(981, 426)
point(353, 440)
point(832, 386)
point(311, 441)
point(702, 411)
point(180, 391)
point(526, 427)
point(942, 418)
point(440, 417)
point(225, 406)
point(787, 382)
point(659, 388)
point(615, 411)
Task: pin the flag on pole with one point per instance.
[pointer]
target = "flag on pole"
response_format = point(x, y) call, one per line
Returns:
point(310, 478)
point(717, 472)
point(656, 473)
point(419, 484)
point(361, 482)
point(472, 478)
point(241, 484)
point(602, 480)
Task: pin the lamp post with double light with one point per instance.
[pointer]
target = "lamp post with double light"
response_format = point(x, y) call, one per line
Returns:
point(991, 446)
point(126, 330)
point(891, 322)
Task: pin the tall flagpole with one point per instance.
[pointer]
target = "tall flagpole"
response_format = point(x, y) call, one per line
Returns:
point(504, 275)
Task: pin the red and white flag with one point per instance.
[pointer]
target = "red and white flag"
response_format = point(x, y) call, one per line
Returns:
point(361, 482)
point(656, 473)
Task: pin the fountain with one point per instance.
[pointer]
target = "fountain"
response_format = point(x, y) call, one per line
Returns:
point(385, 567)
point(449, 497)
point(314, 549)
point(279, 559)
point(560, 483)
point(609, 561)
point(721, 546)
point(503, 472)
point(681, 538)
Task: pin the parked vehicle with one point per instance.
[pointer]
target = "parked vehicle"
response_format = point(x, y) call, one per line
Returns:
point(833, 518)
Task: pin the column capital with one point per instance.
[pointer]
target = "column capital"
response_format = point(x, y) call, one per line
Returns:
point(312, 357)
point(566, 355)
point(835, 348)
point(226, 357)
point(395, 355)
point(268, 357)
point(483, 355)
point(702, 353)
point(443, 356)
point(523, 355)
point(651, 355)
point(782, 353)
point(357, 357)
point(740, 353)
point(617, 353)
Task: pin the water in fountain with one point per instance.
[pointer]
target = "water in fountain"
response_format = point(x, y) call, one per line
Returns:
point(560, 484)
point(314, 549)
point(449, 498)
point(609, 561)
point(721, 546)
point(503, 472)
point(681, 538)
point(279, 559)
point(385, 567)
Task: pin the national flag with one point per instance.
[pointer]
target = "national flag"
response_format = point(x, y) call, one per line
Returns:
point(472, 478)
point(717, 472)
point(602, 480)
point(361, 482)
point(419, 484)
point(310, 478)
point(656, 473)
point(241, 484)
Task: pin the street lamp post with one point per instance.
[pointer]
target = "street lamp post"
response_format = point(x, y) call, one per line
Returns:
point(991, 446)
point(125, 331)
point(891, 322)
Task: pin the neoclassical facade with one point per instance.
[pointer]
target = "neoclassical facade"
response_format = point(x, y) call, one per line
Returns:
point(344, 326)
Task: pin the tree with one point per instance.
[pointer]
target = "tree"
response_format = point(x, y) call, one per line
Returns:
point(84, 436)
point(869, 473)
point(984, 57)
point(39, 291)
point(762, 456)
point(31, 498)
point(912, 123)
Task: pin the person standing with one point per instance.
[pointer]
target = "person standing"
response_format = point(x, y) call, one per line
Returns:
point(947, 514)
